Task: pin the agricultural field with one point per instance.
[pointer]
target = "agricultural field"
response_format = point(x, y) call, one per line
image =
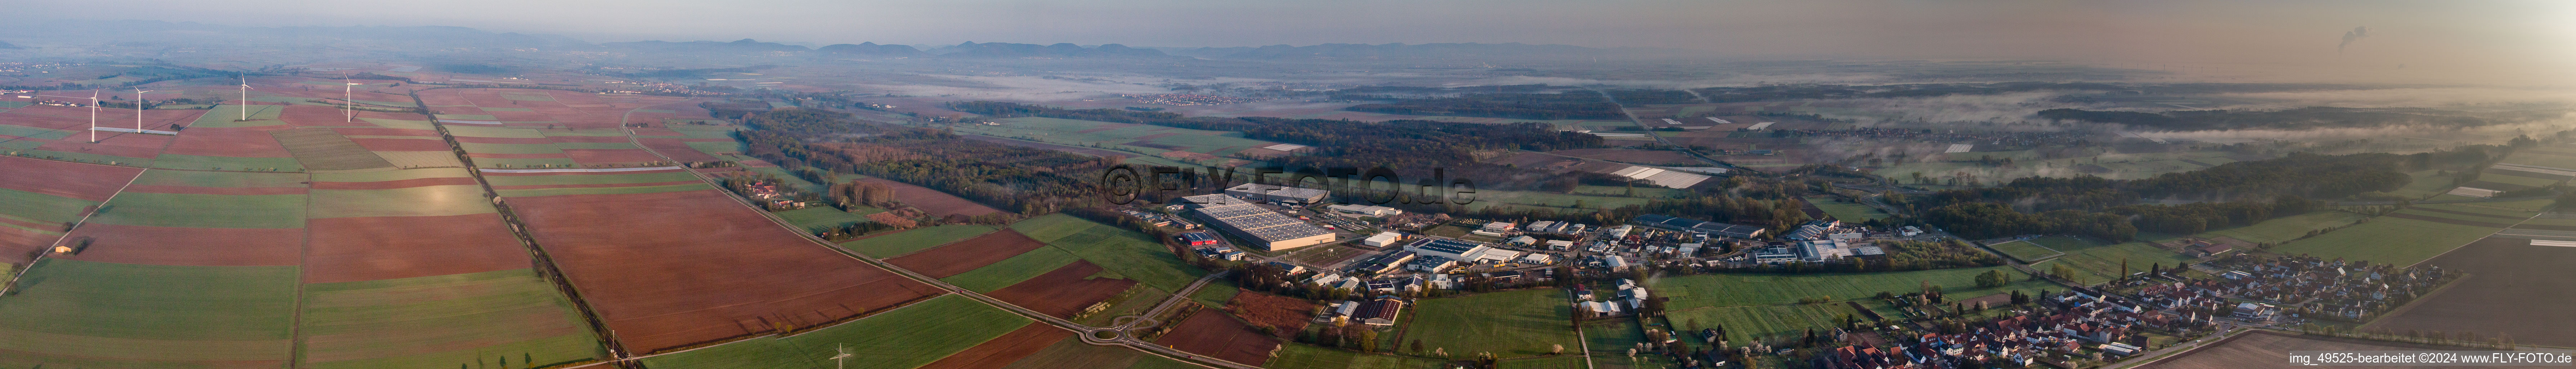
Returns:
point(1065, 291)
point(1071, 352)
point(1711, 290)
point(2100, 262)
point(2503, 272)
point(2388, 239)
point(104, 314)
point(1610, 341)
point(909, 241)
point(1013, 270)
point(1303, 356)
point(1137, 138)
point(2025, 251)
point(937, 204)
point(1218, 335)
point(1745, 323)
point(2097, 163)
point(1508, 324)
point(439, 320)
point(2286, 229)
point(817, 218)
point(906, 337)
point(966, 255)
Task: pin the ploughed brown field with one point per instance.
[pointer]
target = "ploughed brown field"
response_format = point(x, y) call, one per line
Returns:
point(932, 201)
point(249, 142)
point(91, 182)
point(1631, 156)
point(674, 148)
point(1063, 292)
point(373, 248)
point(2514, 288)
point(1217, 335)
point(1286, 314)
point(2267, 349)
point(1002, 351)
point(674, 269)
point(965, 255)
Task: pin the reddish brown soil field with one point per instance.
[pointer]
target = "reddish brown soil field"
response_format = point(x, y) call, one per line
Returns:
point(216, 190)
point(15, 244)
point(2266, 349)
point(1632, 156)
point(1214, 334)
point(674, 148)
point(1062, 292)
point(2503, 294)
point(593, 185)
point(673, 269)
point(965, 255)
point(1002, 351)
point(131, 148)
point(91, 182)
point(657, 132)
point(322, 116)
point(247, 142)
point(386, 131)
point(576, 173)
point(401, 144)
point(589, 156)
point(934, 202)
point(505, 140)
point(1261, 309)
point(406, 183)
point(589, 139)
point(372, 248)
point(190, 246)
point(512, 156)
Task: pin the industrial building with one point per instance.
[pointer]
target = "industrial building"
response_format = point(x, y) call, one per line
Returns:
point(1257, 225)
point(1365, 210)
point(1458, 250)
point(1278, 194)
point(1712, 228)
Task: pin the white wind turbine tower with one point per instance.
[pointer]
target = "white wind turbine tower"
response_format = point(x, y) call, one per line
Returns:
point(245, 101)
point(138, 110)
point(348, 91)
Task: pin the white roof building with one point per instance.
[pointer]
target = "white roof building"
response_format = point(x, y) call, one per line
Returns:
point(1381, 239)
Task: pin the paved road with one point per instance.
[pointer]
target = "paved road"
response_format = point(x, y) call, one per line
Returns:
point(1089, 334)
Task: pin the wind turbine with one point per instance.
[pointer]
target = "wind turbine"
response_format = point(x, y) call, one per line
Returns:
point(348, 91)
point(138, 109)
point(245, 101)
point(841, 361)
point(93, 113)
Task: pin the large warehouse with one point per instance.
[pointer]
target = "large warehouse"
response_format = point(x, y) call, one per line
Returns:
point(1274, 193)
point(1255, 224)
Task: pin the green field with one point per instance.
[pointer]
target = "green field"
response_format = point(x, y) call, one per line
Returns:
point(1707, 290)
point(489, 148)
point(1557, 362)
point(906, 242)
point(2517, 180)
point(587, 178)
point(1743, 323)
point(176, 161)
point(400, 202)
point(1292, 355)
point(1013, 270)
point(2025, 251)
point(2284, 229)
point(203, 211)
point(1846, 211)
point(1051, 227)
point(1610, 341)
point(2387, 240)
point(324, 149)
point(218, 179)
point(1216, 293)
point(1071, 132)
point(1131, 254)
point(1508, 324)
point(1488, 198)
point(2426, 183)
point(41, 207)
point(223, 116)
point(2100, 262)
point(70, 313)
point(900, 339)
point(431, 322)
point(493, 132)
point(821, 217)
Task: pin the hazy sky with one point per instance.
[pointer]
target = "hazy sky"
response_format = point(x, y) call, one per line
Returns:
point(2499, 38)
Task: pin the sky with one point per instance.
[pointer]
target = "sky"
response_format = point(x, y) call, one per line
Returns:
point(2502, 40)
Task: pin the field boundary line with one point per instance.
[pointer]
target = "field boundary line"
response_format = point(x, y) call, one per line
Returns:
point(12, 285)
point(2466, 245)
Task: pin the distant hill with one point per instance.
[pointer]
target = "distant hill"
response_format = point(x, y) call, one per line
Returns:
point(871, 49)
point(971, 49)
point(737, 47)
point(1392, 51)
point(4, 45)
